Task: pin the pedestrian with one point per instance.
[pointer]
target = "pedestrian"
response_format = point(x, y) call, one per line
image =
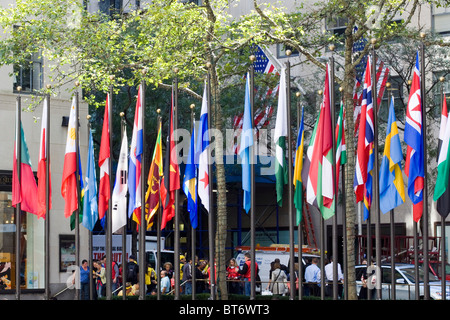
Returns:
point(312, 278)
point(278, 281)
point(165, 282)
point(132, 270)
point(85, 274)
point(329, 276)
point(233, 277)
point(187, 277)
point(246, 273)
point(200, 285)
point(114, 274)
point(168, 267)
point(101, 278)
point(150, 279)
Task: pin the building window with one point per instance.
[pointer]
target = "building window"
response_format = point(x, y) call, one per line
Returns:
point(281, 50)
point(29, 74)
point(441, 19)
point(31, 259)
point(336, 26)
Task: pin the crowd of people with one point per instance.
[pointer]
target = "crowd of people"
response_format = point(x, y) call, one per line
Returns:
point(238, 278)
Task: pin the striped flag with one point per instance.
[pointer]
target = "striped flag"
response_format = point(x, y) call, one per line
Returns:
point(201, 153)
point(442, 190)
point(341, 149)
point(134, 164)
point(392, 190)
point(414, 166)
point(119, 195)
point(190, 182)
point(104, 190)
point(281, 125)
point(298, 166)
point(42, 168)
point(90, 205)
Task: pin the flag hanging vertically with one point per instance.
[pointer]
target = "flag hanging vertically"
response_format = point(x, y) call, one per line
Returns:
point(119, 195)
point(190, 182)
point(69, 179)
point(24, 191)
point(171, 176)
point(310, 192)
point(152, 196)
point(42, 166)
point(414, 166)
point(364, 139)
point(244, 151)
point(392, 189)
point(321, 166)
point(281, 125)
point(134, 166)
point(201, 152)
point(90, 205)
point(81, 200)
point(441, 190)
point(341, 149)
point(104, 191)
point(298, 166)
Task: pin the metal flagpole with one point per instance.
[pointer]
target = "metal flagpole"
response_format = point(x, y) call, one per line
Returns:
point(47, 199)
point(376, 176)
point(289, 163)
point(193, 275)
point(334, 225)
point(158, 266)
point(252, 190)
point(322, 244)
point(77, 176)
point(124, 228)
point(143, 226)
point(443, 241)
point(91, 263)
point(177, 214)
point(19, 179)
point(108, 244)
point(299, 228)
point(425, 190)
point(211, 211)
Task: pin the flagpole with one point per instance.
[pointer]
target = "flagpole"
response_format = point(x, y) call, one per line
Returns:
point(77, 176)
point(18, 170)
point(290, 215)
point(91, 263)
point(177, 214)
point(108, 246)
point(194, 278)
point(211, 211)
point(158, 229)
point(425, 190)
point(333, 130)
point(47, 198)
point(443, 241)
point(252, 188)
point(376, 176)
point(124, 228)
point(143, 226)
point(299, 227)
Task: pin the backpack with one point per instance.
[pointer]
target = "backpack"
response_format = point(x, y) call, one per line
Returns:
point(132, 271)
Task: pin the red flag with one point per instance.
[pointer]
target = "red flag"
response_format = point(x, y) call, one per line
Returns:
point(42, 168)
point(172, 172)
point(104, 191)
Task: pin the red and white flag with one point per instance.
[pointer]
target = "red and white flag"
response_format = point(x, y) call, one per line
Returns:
point(42, 167)
point(104, 191)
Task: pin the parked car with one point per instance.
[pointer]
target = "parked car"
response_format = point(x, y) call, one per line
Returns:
point(405, 277)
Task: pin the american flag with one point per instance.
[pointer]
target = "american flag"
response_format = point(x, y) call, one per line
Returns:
point(263, 114)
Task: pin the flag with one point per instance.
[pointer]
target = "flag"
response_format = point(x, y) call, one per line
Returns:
point(81, 202)
point(321, 166)
point(414, 166)
point(171, 176)
point(364, 140)
point(104, 191)
point(69, 179)
point(119, 195)
point(281, 127)
point(310, 192)
point(392, 190)
point(190, 182)
point(152, 196)
point(244, 151)
point(341, 149)
point(24, 191)
point(201, 153)
point(42, 168)
point(90, 205)
point(441, 189)
point(298, 166)
point(134, 165)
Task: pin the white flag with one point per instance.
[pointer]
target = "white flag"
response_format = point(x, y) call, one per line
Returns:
point(119, 196)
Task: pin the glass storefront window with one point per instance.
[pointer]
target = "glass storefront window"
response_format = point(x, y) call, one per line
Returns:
point(32, 253)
